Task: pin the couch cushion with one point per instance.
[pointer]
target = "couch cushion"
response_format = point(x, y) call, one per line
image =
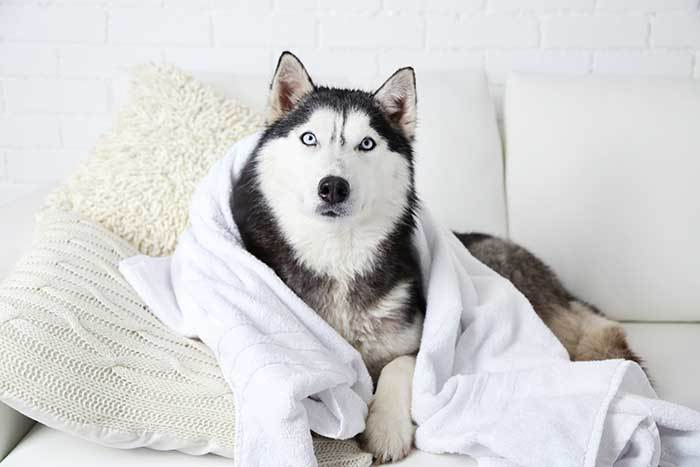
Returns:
point(83, 354)
point(45, 447)
point(669, 351)
point(602, 183)
point(13, 426)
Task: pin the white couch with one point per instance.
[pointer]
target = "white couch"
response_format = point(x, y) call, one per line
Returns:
point(598, 179)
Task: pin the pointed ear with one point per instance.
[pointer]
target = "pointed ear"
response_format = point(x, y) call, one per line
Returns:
point(290, 83)
point(397, 98)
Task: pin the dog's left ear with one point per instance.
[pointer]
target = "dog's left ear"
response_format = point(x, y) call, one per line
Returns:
point(290, 83)
point(397, 98)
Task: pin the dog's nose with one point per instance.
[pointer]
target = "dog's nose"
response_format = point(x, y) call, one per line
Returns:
point(333, 190)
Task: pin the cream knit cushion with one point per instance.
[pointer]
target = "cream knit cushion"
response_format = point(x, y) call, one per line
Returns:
point(83, 354)
point(141, 175)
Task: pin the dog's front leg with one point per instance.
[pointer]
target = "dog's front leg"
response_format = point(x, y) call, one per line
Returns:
point(389, 431)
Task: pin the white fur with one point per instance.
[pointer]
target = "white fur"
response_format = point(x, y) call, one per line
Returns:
point(371, 332)
point(391, 306)
point(387, 345)
point(389, 430)
point(379, 181)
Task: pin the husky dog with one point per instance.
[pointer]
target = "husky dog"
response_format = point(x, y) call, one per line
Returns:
point(327, 200)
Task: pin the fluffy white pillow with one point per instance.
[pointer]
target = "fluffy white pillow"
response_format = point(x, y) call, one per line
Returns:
point(141, 175)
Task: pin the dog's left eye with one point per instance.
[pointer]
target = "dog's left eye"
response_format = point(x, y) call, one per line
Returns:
point(367, 144)
point(308, 138)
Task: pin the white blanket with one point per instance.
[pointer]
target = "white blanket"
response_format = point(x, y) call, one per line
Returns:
point(491, 380)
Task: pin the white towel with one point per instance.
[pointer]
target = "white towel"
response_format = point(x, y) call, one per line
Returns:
point(491, 380)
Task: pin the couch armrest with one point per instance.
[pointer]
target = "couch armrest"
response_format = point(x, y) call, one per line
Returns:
point(13, 427)
point(16, 234)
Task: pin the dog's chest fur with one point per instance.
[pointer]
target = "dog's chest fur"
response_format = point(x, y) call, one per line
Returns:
point(380, 326)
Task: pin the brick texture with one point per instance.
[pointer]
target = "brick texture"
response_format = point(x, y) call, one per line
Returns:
point(651, 6)
point(40, 95)
point(63, 62)
point(368, 32)
point(484, 31)
point(89, 60)
point(27, 59)
point(677, 63)
point(156, 26)
point(676, 30)
point(221, 60)
point(610, 31)
point(435, 6)
point(29, 131)
point(282, 29)
point(41, 165)
point(500, 63)
point(542, 6)
point(58, 24)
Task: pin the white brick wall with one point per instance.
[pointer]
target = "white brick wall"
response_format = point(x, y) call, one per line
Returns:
point(596, 32)
point(483, 31)
point(26, 22)
point(60, 60)
point(55, 96)
point(175, 26)
point(676, 30)
point(262, 29)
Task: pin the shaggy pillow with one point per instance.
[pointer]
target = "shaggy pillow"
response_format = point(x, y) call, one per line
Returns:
point(82, 353)
point(141, 175)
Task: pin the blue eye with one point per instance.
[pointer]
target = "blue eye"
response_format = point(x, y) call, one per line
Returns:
point(367, 144)
point(309, 139)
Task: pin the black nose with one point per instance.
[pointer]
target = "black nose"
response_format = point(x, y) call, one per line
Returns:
point(333, 190)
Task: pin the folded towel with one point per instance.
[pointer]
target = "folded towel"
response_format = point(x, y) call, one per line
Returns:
point(491, 380)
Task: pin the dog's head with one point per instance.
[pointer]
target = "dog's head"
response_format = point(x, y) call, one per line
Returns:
point(337, 155)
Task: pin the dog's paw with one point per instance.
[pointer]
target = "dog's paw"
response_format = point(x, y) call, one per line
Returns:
point(388, 434)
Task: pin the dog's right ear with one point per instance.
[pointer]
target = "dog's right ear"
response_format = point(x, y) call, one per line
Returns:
point(290, 83)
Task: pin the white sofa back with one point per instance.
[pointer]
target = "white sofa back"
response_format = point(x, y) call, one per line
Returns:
point(603, 183)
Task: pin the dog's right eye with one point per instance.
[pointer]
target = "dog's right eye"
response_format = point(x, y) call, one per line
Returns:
point(308, 138)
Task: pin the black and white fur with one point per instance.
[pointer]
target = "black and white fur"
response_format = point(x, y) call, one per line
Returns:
point(327, 200)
